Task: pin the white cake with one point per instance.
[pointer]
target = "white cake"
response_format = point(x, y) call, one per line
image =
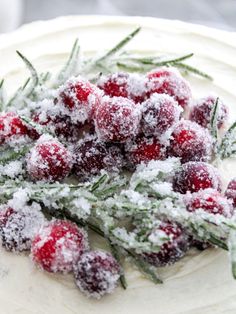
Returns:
point(199, 283)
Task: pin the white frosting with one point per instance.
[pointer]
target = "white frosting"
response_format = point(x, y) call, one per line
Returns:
point(199, 283)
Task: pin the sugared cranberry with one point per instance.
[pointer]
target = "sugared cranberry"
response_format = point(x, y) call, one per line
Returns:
point(190, 142)
point(117, 119)
point(171, 251)
point(211, 201)
point(201, 111)
point(195, 176)
point(169, 81)
point(96, 273)
point(144, 149)
point(59, 125)
point(121, 84)
point(230, 192)
point(49, 161)
point(13, 128)
point(58, 245)
point(80, 97)
point(91, 156)
point(17, 228)
point(159, 114)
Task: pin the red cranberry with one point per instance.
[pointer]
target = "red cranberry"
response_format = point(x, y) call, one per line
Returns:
point(97, 273)
point(121, 84)
point(190, 142)
point(171, 251)
point(58, 245)
point(159, 114)
point(13, 128)
point(80, 97)
point(145, 149)
point(117, 119)
point(201, 112)
point(49, 161)
point(91, 156)
point(169, 81)
point(195, 176)
point(211, 201)
point(230, 192)
point(59, 125)
point(17, 228)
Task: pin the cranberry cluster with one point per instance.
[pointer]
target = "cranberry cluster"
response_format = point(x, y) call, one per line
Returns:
point(123, 120)
point(128, 119)
point(59, 246)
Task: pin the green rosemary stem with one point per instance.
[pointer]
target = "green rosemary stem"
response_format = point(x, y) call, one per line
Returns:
point(118, 47)
point(2, 96)
point(232, 251)
point(145, 268)
point(193, 70)
point(116, 253)
point(9, 155)
point(71, 65)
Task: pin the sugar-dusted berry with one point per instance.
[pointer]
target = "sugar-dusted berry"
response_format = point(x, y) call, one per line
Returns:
point(96, 273)
point(58, 245)
point(211, 201)
point(190, 142)
point(169, 81)
point(144, 149)
point(171, 251)
point(196, 175)
point(122, 84)
point(159, 114)
point(117, 119)
point(201, 111)
point(80, 97)
point(12, 128)
point(230, 192)
point(48, 160)
point(92, 155)
point(17, 228)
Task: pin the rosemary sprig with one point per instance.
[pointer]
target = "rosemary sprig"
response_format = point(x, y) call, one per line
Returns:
point(193, 70)
point(2, 96)
point(117, 47)
point(213, 124)
point(227, 148)
point(232, 251)
point(116, 253)
point(71, 65)
point(10, 154)
point(27, 89)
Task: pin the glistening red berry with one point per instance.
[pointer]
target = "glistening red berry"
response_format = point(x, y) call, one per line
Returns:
point(171, 251)
point(58, 245)
point(96, 273)
point(196, 175)
point(144, 149)
point(80, 97)
point(59, 125)
point(230, 192)
point(201, 111)
point(159, 114)
point(211, 201)
point(117, 119)
point(48, 161)
point(91, 156)
point(12, 128)
point(17, 228)
point(190, 142)
point(169, 81)
point(122, 84)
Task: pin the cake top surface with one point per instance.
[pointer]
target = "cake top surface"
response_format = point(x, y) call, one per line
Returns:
point(47, 45)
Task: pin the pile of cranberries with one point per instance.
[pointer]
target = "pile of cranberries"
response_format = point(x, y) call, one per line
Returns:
point(122, 121)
